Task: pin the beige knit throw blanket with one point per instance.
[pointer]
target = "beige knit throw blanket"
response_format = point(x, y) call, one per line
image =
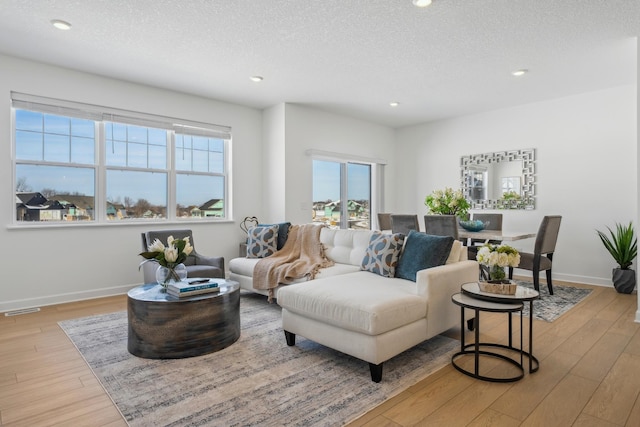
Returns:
point(302, 255)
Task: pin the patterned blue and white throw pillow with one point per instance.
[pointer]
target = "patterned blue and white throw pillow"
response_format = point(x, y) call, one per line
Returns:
point(381, 257)
point(262, 241)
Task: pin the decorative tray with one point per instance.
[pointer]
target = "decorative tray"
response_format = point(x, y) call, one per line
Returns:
point(502, 287)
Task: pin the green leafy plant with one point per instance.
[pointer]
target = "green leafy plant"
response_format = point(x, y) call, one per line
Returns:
point(510, 195)
point(621, 244)
point(447, 202)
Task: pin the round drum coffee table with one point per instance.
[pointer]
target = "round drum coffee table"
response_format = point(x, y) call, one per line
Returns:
point(162, 326)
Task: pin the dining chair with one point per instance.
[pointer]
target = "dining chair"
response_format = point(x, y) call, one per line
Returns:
point(441, 225)
point(542, 257)
point(404, 223)
point(384, 221)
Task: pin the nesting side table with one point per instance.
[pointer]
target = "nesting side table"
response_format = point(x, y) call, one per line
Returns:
point(474, 299)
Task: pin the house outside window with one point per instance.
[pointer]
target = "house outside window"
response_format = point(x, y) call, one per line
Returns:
point(84, 163)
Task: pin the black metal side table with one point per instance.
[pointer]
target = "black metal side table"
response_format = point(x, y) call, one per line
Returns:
point(522, 295)
point(478, 348)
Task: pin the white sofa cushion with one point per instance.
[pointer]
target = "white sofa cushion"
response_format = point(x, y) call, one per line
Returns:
point(244, 267)
point(363, 302)
point(345, 246)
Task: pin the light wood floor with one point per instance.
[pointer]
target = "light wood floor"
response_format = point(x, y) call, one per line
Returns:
point(589, 374)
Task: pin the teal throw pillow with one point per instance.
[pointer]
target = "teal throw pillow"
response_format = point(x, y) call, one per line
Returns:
point(262, 241)
point(422, 251)
point(381, 257)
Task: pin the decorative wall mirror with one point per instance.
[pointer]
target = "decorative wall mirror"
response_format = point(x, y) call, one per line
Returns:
point(500, 180)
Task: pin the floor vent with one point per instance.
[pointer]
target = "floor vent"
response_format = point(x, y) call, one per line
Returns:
point(22, 311)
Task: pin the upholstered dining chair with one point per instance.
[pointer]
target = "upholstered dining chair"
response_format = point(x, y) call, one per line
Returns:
point(441, 225)
point(197, 265)
point(384, 221)
point(404, 223)
point(542, 257)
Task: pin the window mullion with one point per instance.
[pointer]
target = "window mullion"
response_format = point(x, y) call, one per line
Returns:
point(171, 176)
point(344, 191)
point(101, 174)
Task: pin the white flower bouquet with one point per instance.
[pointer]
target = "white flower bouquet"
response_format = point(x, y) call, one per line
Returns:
point(447, 202)
point(497, 257)
point(169, 256)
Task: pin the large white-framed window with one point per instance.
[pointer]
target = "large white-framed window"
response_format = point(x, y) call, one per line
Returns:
point(338, 178)
point(84, 163)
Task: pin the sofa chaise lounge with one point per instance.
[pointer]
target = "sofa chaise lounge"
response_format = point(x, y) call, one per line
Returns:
point(364, 314)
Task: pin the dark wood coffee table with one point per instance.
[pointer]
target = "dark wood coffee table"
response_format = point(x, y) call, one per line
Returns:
point(162, 326)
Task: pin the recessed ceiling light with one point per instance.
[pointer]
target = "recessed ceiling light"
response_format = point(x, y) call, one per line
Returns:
point(257, 78)
point(60, 24)
point(519, 73)
point(394, 103)
point(421, 3)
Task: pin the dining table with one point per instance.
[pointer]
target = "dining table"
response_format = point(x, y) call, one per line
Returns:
point(496, 235)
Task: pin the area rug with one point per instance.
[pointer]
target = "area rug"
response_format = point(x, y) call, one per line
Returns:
point(550, 307)
point(258, 380)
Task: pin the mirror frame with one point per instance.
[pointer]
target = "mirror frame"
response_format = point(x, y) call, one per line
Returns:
point(527, 156)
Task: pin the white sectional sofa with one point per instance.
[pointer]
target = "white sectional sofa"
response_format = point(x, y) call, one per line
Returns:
point(361, 313)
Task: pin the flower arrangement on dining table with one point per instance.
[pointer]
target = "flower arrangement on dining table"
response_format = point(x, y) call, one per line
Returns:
point(169, 256)
point(497, 257)
point(448, 202)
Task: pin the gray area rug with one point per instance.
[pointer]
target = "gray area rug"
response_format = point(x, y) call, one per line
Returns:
point(258, 380)
point(550, 307)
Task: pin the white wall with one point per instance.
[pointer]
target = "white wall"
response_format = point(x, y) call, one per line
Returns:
point(637, 222)
point(49, 265)
point(308, 128)
point(586, 149)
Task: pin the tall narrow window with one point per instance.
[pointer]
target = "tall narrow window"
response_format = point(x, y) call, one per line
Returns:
point(200, 176)
point(137, 171)
point(55, 167)
point(342, 194)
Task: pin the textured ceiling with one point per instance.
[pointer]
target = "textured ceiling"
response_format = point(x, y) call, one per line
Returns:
point(351, 57)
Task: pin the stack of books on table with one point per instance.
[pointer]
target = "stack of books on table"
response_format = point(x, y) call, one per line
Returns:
point(192, 287)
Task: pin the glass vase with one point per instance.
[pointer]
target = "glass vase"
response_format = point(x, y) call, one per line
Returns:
point(166, 275)
point(497, 274)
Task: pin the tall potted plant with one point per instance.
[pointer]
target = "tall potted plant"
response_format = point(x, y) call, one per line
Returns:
point(623, 247)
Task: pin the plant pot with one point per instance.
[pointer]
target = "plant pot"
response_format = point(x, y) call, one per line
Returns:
point(624, 280)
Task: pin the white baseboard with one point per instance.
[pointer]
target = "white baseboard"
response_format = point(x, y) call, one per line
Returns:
point(28, 303)
point(573, 278)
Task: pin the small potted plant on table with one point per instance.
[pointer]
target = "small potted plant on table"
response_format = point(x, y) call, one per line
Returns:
point(623, 247)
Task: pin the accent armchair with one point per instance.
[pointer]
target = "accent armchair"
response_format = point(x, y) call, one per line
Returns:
point(197, 265)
